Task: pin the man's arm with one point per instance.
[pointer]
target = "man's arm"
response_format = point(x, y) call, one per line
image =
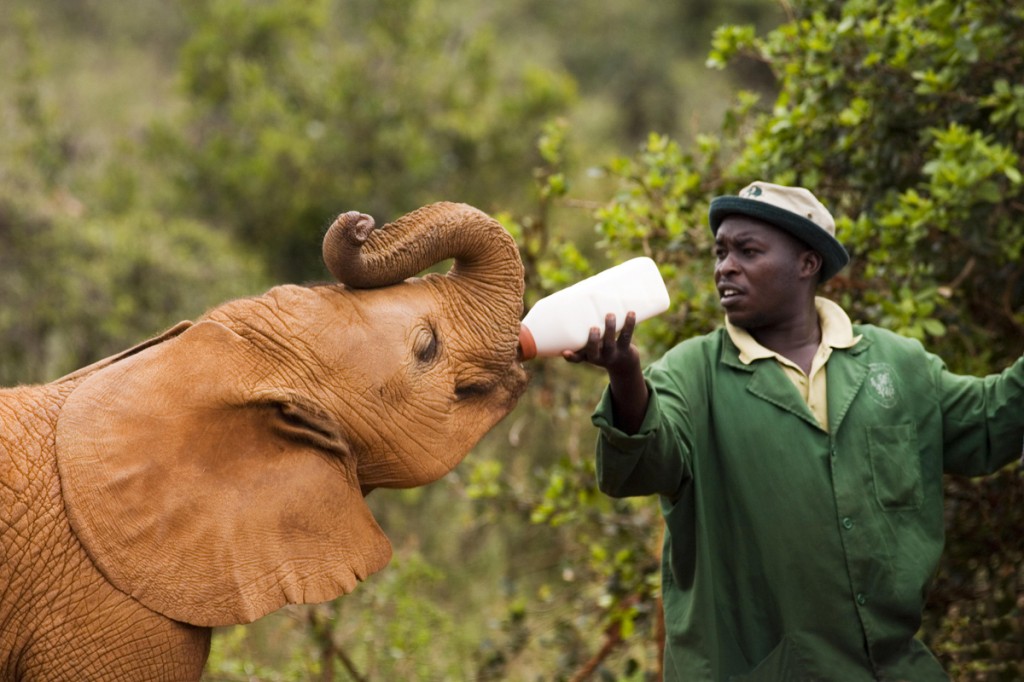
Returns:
point(621, 359)
point(628, 462)
point(983, 418)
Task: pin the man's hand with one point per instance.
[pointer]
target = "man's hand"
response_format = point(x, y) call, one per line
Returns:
point(621, 359)
point(613, 354)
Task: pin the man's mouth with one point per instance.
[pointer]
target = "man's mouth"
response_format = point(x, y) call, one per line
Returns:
point(727, 293)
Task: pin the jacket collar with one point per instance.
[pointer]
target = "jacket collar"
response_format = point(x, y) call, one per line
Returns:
point(846, 373)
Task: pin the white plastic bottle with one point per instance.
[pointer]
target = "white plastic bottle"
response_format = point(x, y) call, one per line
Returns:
point(562, 321)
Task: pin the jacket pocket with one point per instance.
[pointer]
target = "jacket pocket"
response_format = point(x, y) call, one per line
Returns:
point(783, 663)
point(895, 466)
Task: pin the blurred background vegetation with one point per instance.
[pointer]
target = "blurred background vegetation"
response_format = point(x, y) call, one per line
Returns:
point(157, 158)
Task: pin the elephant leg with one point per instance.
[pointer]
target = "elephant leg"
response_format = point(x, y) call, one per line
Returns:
point(91, 631)
point(118, 648)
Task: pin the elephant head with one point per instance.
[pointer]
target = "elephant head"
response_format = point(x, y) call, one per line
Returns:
point(218, 472)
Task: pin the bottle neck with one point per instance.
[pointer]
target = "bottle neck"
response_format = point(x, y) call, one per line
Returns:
point(527, 345)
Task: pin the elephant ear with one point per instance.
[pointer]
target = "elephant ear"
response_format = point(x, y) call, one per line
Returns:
point(206, 506)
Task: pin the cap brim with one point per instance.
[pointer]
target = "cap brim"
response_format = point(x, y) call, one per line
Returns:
point(834, 256)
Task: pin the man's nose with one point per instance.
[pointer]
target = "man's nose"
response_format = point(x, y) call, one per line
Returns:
point(725, 265)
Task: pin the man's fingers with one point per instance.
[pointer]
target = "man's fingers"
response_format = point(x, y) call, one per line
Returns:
point(609, 335)
point(626, 336)
point(603, 348)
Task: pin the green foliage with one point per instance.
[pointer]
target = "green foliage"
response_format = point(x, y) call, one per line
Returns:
point(287, 125)
point(78, 280)
point(975, 619)
point(44, 146)
point(638, 55)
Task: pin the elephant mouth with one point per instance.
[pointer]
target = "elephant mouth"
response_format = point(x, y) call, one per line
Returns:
point(472, 390)
point(504, 390)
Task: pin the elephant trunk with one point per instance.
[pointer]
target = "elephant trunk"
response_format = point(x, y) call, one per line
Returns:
point(485, 254)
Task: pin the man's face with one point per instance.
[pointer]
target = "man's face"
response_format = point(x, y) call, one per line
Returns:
point(761, 272)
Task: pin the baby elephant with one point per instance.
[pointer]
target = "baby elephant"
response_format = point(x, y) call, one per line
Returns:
point(217, 472)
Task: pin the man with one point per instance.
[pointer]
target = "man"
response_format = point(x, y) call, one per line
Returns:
point(799, 460)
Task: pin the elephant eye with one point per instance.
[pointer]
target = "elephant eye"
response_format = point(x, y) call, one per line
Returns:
point(426, 344)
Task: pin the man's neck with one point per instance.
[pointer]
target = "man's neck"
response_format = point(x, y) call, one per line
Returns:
point(796, 340)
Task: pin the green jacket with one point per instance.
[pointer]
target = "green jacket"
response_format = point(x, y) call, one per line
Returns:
point(792, 553)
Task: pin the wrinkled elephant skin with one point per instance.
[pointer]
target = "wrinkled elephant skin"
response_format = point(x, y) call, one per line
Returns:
point(218, 472)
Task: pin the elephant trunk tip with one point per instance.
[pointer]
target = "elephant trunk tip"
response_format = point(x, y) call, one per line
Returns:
point(353, 226)
point(344, 239)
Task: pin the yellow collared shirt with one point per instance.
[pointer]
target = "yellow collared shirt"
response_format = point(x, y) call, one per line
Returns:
point(836, 332)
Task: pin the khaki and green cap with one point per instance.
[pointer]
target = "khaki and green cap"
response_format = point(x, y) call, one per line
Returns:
point(793, 209)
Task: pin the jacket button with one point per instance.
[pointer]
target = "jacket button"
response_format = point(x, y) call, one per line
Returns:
point(847, 522)
point(862, 598)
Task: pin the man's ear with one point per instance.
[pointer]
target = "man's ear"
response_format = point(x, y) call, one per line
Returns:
point(810, 264)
